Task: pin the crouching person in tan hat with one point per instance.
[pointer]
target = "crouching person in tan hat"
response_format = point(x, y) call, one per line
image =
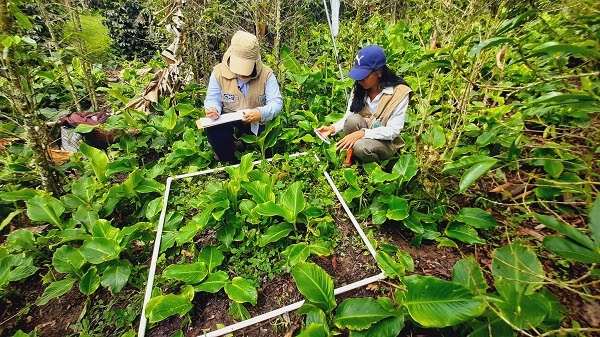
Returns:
point(240, 82)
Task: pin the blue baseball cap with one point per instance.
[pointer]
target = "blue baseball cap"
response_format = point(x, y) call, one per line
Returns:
point(368, 59)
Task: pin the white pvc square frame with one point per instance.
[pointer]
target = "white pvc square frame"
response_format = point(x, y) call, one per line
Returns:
point(265, 316)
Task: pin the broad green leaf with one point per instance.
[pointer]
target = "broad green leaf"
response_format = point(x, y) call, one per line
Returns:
point(389, 266)
point(86, 216)
point(414, 224)
point(434, 64)
point(351, 178)
point(239, 312)
point(189, 273)
point(212, 256)
point(523, 311)
point(22, 271)
point(517, 21)
point(241, 290)
point(520, 265)
point(489, 43)
point(69, 260)
point(90, 281)
point(463, 233)
point(388, 327)
point(321, 248)
point(184, 109)
point(492, 326)
point(553, 167)
point(476, 217)
point(359, 313)
point(226, 234)
point(568, 230)
point(474, 173)
point(116, 275)
point(351, 193)
point(407, 167)
point(46, 209)
point(146, 185)
point(98, 160)
point(24, 22)
point(594, 223)
point(562, 98)
point(21, 239)
point(406, 260)
point(293, 200)
point(314, 330)
point(103, 229)
point(98, 250)
point(213, 283)
point(169, 119)
point(288, 60)
point(468, 273)
point(557, 47)
point(22, 194)
point(314, 283)
point(163, 306)
point(296, 253)
point(464, 162)
point(260, 191)
point(274, 233)
point(436, 303)
point(9, 218)
point(84, 188)
point(570, 249)
point(271, 209)
point(154, 207)
point(379, 176)
point(398, 208)
point(54, 290)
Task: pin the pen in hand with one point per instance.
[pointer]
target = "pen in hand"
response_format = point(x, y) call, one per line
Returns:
point(212, 113)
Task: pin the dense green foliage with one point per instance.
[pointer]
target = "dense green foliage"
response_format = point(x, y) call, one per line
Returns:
point(502, 131)
point(96, 38)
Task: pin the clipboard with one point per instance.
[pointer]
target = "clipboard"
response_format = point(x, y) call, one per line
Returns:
point(324, 139)
point(206, 122)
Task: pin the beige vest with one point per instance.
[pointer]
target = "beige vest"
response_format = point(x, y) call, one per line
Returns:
point(231, 96)
point(386, 106)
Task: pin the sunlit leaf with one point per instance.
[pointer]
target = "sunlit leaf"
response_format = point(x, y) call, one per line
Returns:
point(489, 43)
point(163, 306)
point(241, 290)
point(437, 303)
point(54, 290)
point(520, 265)
point(474, 173)
point(314, 283)
point(359, 313)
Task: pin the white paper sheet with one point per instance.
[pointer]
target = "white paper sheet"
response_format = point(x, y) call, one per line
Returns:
point(206, 122)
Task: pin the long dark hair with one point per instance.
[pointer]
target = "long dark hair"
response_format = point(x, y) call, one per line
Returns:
point(388, 79)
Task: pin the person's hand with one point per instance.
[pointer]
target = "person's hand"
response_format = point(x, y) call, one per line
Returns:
point(326, 131)
point(252, 116)
point(348, 141)
point(212, 113)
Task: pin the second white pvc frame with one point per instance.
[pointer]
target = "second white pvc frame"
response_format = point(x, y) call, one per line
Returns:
point(265, 316)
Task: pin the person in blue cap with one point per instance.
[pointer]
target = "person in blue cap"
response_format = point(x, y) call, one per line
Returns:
point(376, 109)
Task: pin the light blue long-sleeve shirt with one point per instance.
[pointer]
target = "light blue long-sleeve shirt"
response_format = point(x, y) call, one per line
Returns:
point(273, 104)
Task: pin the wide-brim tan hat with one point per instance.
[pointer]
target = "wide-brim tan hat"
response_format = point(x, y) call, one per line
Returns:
point(244, 53)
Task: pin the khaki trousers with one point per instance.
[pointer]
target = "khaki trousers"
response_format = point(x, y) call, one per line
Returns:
point(367, 150)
